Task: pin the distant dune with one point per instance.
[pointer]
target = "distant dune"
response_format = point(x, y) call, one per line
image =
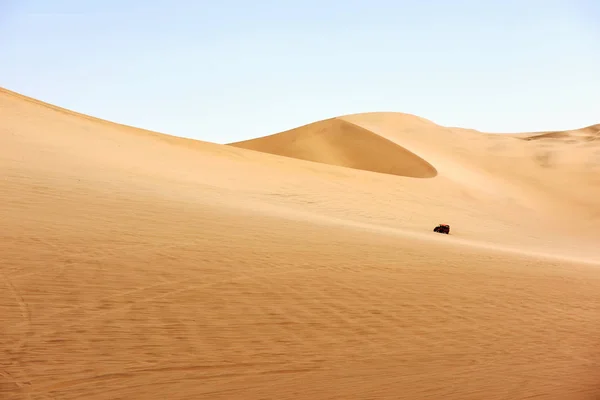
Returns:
point(299, 265)
point(338, 142)
point(499, 167)
point(587, 134)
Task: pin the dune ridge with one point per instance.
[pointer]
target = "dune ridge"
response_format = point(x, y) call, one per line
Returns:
point(140, 265)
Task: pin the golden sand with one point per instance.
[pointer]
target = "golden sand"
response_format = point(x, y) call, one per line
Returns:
point(302, 265)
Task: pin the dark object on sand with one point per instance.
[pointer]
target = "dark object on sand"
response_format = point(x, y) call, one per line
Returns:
point(442, 228)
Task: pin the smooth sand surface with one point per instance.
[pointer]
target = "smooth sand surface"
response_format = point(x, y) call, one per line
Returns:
point(136, 265)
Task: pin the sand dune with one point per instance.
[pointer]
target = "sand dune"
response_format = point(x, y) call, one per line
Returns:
point(342, 143)
point(144, 266)
point(587, 134)
point(496, 168)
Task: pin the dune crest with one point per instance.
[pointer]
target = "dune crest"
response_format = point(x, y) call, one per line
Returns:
point(338, 142)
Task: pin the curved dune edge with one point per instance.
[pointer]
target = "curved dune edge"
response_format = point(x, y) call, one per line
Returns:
point(337, 142)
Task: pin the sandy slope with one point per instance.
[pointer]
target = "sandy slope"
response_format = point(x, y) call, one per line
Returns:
point(139, 265)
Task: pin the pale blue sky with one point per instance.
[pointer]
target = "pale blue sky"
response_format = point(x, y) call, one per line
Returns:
point(242, 69)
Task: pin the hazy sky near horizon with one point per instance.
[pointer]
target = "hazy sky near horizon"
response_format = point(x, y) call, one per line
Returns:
point(231, 70)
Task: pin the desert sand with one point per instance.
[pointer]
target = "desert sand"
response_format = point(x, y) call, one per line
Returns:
point(300, 265)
